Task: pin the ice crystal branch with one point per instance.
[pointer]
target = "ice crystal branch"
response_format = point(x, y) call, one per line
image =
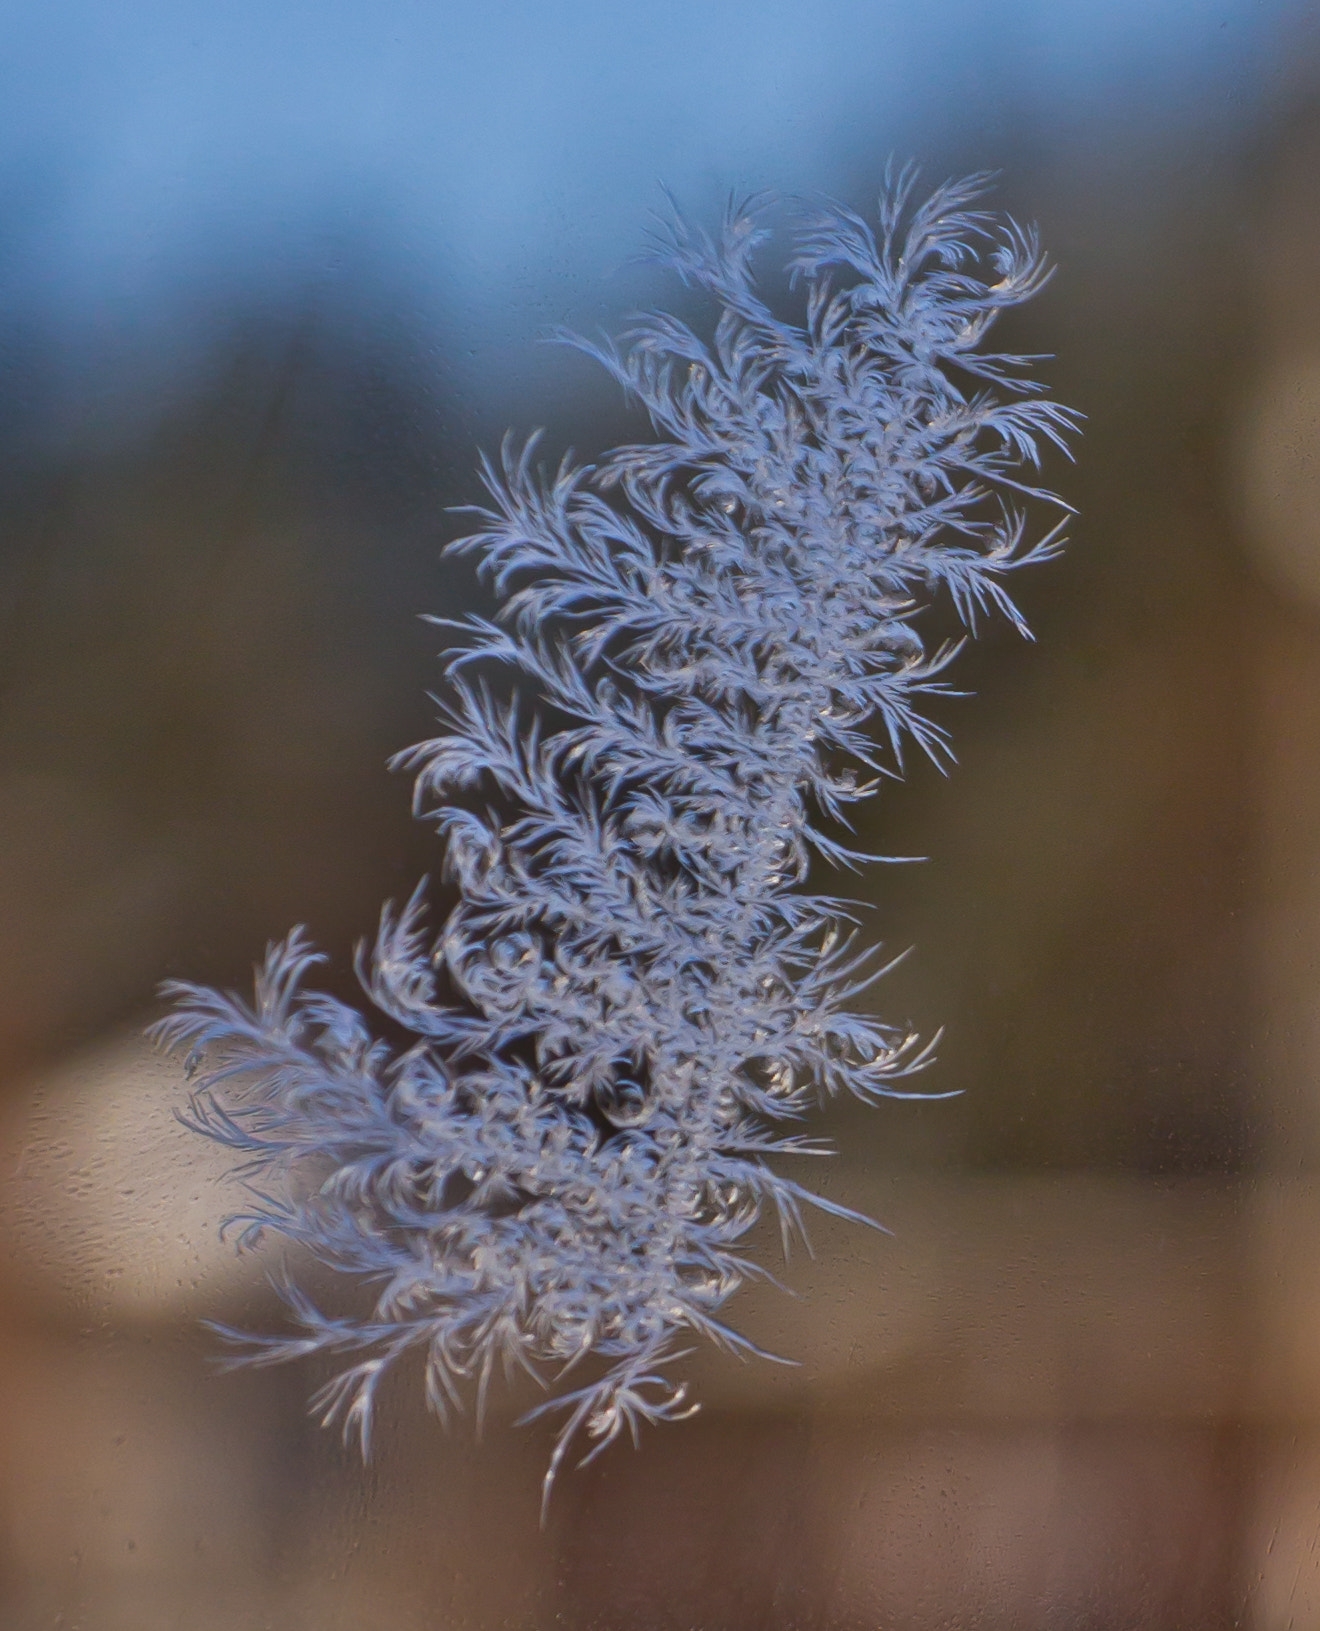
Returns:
point(638, 987)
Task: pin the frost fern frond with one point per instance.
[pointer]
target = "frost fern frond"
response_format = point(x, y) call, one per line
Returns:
point(698, 643)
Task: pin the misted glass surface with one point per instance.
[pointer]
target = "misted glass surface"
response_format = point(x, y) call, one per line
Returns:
point(273, 277)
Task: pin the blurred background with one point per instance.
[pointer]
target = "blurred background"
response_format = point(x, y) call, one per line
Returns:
point(271, 275)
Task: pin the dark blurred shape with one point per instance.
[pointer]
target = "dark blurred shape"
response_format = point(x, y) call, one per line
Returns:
point(209, 649)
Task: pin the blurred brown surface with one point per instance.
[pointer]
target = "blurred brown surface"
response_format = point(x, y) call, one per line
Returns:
point(1059, 1401)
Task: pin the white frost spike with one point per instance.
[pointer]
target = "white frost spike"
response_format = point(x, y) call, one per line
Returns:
point(635, 984)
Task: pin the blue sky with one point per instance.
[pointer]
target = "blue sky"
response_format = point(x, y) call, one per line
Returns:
point(500, 156)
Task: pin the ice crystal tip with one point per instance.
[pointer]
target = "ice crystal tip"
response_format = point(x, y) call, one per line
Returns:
point(707, 637)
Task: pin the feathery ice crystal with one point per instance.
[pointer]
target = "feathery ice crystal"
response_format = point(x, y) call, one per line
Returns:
point(636, 986)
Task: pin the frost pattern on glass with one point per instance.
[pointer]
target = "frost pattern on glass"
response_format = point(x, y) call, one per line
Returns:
point(637, 988)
